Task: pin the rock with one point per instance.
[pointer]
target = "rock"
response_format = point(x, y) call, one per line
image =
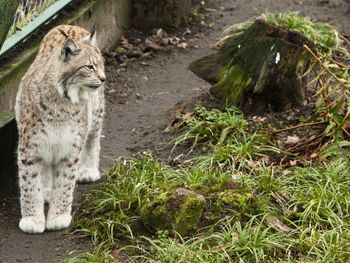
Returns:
point(178, 210)
point(238, 201)
point(134, 53)
point(147, 55)
point(151, 45)
point(161, 33)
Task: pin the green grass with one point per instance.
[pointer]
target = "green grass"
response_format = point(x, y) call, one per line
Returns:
point(233, 242)
point(320, 33)
point(254, 212)
point(213, 127)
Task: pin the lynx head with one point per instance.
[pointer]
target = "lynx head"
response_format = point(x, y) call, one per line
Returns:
point(82, 69)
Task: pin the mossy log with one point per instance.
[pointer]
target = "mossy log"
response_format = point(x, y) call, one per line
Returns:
point(7, 13)
point(257, 70)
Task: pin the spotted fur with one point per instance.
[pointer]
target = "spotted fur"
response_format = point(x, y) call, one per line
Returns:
point(59, 111)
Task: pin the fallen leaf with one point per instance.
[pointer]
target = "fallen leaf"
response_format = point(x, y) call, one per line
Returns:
point(182, 45)
point(151, 45)
point(313, 156)
point(286, 172)
point(293, 162)
point(179, 122)
point(161, 33)
point(174, 40)
point(292, 139)
point(275, 222)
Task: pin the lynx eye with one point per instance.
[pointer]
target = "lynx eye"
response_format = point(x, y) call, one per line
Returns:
point(90, 67)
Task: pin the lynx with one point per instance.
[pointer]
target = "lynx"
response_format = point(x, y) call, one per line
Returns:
point(59, 111)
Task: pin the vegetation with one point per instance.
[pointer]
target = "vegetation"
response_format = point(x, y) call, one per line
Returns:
point(254, 212)
point(325, 65)
point(252, 206)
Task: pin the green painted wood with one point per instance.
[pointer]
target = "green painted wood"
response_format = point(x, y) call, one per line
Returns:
point(7, 13)
point(31, 26)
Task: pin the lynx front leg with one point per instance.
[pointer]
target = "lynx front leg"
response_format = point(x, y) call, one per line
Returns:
point(90, 159)
point(32, 199)
point(59, 214)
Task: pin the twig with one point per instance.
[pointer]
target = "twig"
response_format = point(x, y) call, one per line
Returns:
point(343, 129)
point(324, 66)
point(300, 126)
point(307, 144)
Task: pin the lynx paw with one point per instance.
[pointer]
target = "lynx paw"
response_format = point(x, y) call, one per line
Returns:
point(58, 222)
point(88, 175)
point(32, 225)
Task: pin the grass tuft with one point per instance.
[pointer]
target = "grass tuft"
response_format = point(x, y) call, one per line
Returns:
point(255, 212)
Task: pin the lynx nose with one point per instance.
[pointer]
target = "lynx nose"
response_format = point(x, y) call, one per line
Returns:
point(102, 76)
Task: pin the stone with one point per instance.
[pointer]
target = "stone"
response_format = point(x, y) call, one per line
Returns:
point(179, 210)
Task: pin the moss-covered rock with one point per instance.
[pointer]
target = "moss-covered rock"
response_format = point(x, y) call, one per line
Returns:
point(179, 210)
point(236, 202)
point(235, 198)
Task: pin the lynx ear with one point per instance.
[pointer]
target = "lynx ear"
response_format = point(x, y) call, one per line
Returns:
point(70, 48)
point(91, 39)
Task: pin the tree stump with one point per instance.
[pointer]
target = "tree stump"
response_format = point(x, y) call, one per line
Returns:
point(258, 70)
point(159, 13)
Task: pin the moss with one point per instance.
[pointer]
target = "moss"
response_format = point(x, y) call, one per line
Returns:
point(234, 202)
point(178, 210)
point(154, 214)
point(214, 184)
point(187, 218)
point(234, 198)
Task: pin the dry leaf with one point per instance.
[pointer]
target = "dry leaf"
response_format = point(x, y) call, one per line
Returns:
point(275, 222)
point(313, 156)
point(292, 139)
point(293, 162)
point(179, 122)
point(182, 45)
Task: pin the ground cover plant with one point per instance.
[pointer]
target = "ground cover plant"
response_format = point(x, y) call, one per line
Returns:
point(254, 211)
point(252, 189)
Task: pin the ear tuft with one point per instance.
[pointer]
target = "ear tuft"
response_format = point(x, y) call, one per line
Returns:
point(70, 48)
point(91, 39)
point(93, 31)
point(63, 33)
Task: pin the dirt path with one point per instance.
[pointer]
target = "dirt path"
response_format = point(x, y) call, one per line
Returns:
point(138, 106)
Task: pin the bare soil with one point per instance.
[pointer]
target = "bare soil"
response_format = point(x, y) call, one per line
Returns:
point(141, 98)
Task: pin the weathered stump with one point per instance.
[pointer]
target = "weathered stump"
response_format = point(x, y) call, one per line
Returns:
point(159, 13)
point(257, 70)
